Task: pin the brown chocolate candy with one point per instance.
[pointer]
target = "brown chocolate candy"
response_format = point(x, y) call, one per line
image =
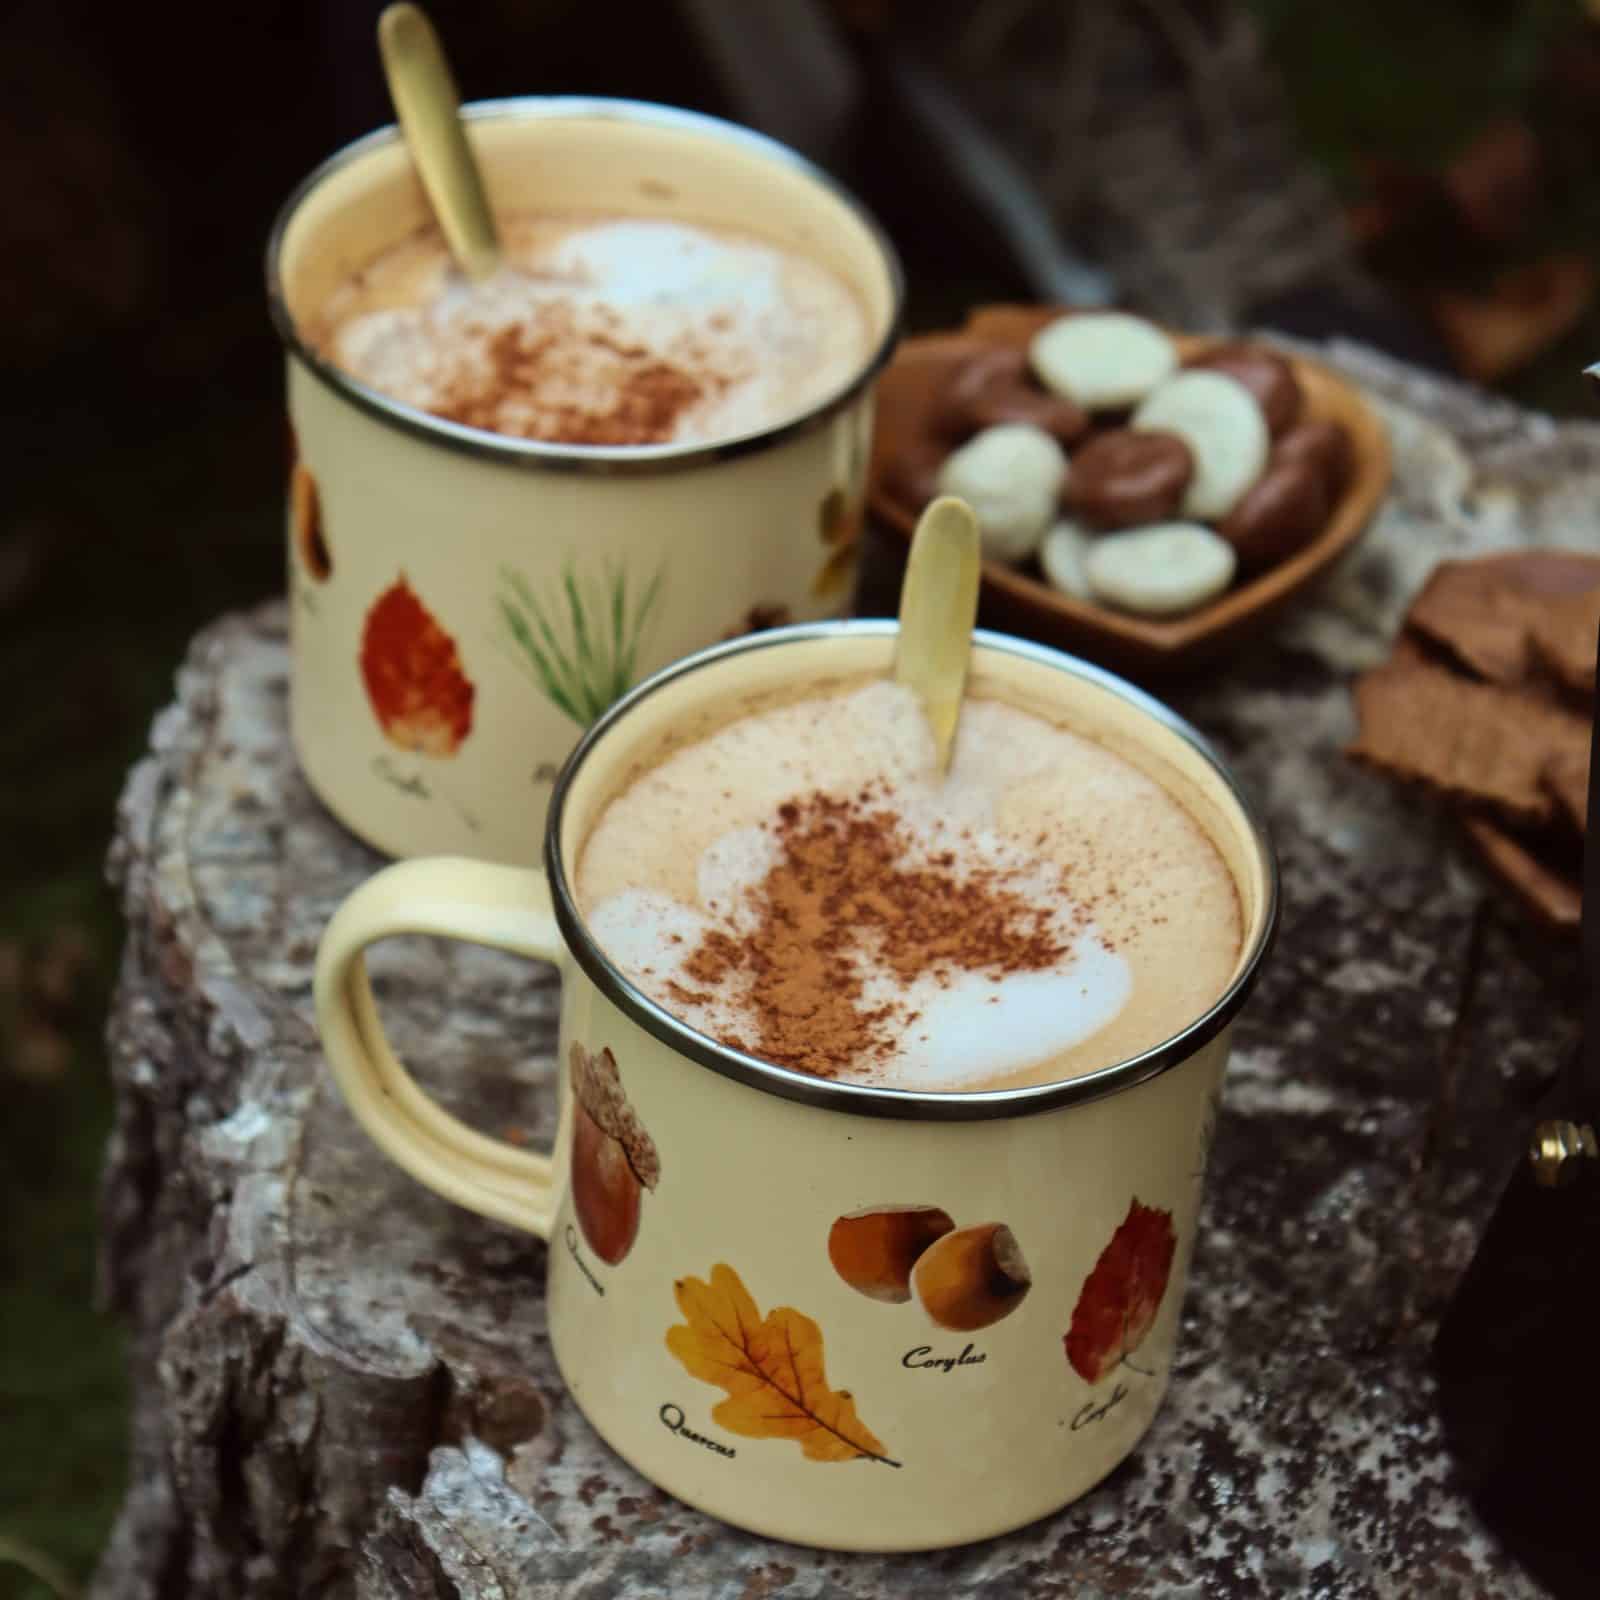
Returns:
point(1120, 478)
point(1265, 374)
point(1326, 445)
point(995, 386)
point(1279, 514)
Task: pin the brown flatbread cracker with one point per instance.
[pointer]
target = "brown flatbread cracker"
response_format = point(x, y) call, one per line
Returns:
point(1479, 617)
point(1553, 898)
point(1472, 742)
point(1565, 776)
point(1563, 639)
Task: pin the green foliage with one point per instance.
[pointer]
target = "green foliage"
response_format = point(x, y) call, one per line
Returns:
point(581, 646)
point(1410, 80)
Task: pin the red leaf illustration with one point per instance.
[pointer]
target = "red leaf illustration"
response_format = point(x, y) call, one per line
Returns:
point(421, 697)
point(1119, 1300)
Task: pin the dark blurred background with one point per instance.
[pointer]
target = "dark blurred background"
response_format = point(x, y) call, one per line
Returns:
point(1410, 173)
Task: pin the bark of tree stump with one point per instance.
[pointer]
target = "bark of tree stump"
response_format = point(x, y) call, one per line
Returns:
point(343, 1384)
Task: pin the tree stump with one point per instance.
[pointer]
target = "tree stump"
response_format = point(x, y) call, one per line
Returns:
point(343, 1384)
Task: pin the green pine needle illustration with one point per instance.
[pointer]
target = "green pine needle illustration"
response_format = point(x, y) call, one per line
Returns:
point(581, 646)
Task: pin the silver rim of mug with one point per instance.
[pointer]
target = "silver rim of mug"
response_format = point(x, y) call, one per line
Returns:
point(537, 453)
point(916, 1105)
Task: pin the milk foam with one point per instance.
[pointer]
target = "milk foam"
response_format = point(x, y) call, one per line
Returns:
point(1135, 895)
point(770, 332)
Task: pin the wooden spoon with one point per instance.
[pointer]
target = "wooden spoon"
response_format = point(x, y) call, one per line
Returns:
point(938, 606)
point(429, 109)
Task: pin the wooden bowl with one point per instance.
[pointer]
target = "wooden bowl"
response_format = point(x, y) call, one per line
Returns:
point(1017, 602)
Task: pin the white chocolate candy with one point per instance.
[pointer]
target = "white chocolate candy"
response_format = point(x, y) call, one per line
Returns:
point(1103, 360)
point(1223, 426)
point(1062, 556)
point(1161, 570)
point(1011, 476)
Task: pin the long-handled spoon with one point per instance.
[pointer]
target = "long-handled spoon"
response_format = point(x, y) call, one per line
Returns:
point(938, 606)
point(429, 109)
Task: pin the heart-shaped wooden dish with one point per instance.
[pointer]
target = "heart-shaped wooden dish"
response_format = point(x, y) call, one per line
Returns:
point(1018, 602)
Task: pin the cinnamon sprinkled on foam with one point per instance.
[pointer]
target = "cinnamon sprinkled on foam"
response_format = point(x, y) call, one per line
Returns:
point(601, 331)
point(801, 885)
point(849, 884)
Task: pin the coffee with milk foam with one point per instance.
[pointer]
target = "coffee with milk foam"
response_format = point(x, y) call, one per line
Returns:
point(602, 330)
point(802, 885)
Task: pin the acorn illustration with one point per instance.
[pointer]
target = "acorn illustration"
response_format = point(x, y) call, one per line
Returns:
point(613, 1159)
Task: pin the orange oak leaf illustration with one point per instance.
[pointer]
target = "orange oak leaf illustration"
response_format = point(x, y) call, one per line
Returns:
point(1119, 1300)
point(420, 696)
point(771, 1367)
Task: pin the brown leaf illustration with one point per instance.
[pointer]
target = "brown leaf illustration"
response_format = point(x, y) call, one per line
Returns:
point(1118, 1302)
point(421, 697)
point(772, 1368)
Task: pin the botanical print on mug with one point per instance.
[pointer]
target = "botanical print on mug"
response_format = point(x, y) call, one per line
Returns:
point(963, 1278)
point(613, 1158)
point(772, 1368)
point(843, 510)
point(581, 645)
point(839, 525)
point(1119, 1300)
point(307, 535)
point(413, 676)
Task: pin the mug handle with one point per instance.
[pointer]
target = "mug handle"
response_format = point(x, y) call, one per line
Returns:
point(507, 908)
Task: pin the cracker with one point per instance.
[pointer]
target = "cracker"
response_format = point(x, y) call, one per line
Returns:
point(1480, 618)
point(1554, 898)
point(1563, 639)
point(1472, 742)
point(1565, 776)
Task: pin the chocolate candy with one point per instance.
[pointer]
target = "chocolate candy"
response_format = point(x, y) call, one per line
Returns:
point(1325, 444)
point(1011, 476)
point(1160, 571)
point(1220, 421)
point(1265, 374)
point(1122, 478)
point(1102, 360)
point(1280, 513)
point(1061, 557)
point(994, 387)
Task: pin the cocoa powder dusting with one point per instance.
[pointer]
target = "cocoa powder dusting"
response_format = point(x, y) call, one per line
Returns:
point(848, 883)
point(571, 380)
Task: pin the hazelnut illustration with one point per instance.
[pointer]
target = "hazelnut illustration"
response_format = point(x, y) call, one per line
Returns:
point(972, 1277)
point(874, 1249)
point(613, 1158)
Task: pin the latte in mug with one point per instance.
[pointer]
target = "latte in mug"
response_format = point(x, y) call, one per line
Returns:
point(801, 885)
point(602, 330)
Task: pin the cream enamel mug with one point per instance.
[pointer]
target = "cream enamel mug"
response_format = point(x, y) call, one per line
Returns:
point(463, 603)
point(712, 1320)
